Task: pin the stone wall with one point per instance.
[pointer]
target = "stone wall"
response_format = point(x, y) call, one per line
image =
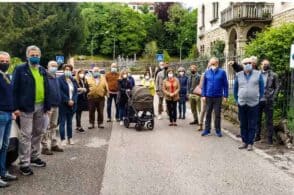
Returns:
point(284, 17)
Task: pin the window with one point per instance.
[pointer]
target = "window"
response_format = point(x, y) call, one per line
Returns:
point(202, 49)
point(203, 16)
point(215, 7)
point(151, 8)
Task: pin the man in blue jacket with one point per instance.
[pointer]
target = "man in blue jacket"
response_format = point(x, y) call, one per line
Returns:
point(55, 100)
point(31, 101)
point(214, 91)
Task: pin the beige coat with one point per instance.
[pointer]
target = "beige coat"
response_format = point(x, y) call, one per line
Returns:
point(166, 88)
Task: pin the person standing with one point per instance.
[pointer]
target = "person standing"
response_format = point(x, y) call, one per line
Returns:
point(68, 106)
point(32, 104)
point(148, 82)
point(124, 87)
point(82, 104)
point(266, 104)
point(98, 90)
point(183, 80)
point(171, 89)
point(214, 91)
point(112, 82)
point(159, 82)
point(55, 100)
point(193, 82)
point(248, 89)
point(6, 117)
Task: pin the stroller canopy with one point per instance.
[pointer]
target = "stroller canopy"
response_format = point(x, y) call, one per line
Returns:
point(141, 98)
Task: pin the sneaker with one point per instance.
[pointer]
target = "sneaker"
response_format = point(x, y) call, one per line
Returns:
point(9, 177)
point(244, 146)
point(63, 143)
point(91, 126)
point(205, 133)
point(56, 149)
point(46, 151)
point(219, 133)
point(250, 147)
point(159, 117)
point(194, 123)
point(38, 163)
point(26, 171)
point(109, 120)
point(121, 123)
point(101, 126)
point(3, 184)
point(81, 130)
point(70, 142)
point(117, 120)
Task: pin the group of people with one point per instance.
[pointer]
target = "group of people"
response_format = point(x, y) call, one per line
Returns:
point(45, 103)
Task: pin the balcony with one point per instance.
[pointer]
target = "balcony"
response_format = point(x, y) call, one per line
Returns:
point(247, 12)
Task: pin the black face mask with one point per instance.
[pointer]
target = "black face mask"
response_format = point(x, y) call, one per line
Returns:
point(193, 72)
point(4, 67)
point(266, 68)
point(165, 68)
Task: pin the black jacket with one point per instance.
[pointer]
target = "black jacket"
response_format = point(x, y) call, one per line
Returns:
point(272, 86)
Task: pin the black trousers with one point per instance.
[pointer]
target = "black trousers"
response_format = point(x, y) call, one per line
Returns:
point(172, 110)
point(213, 104)
point(78, 117)
point(266, 107)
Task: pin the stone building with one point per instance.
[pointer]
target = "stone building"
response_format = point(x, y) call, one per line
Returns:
point(136, 6)
point(236, 23)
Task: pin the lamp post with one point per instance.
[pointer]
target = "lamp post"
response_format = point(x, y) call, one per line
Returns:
point(181, 49)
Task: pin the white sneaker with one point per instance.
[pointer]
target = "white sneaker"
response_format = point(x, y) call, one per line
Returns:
point(63, 143)
point(70, 142)
point(121, 123)
point(159, 117)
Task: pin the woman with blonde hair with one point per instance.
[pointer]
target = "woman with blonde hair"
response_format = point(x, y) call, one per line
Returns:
point(171, 89)
point(124, 87)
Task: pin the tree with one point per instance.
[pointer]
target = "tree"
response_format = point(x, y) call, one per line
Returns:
point(166, 56)
point(193, 53)
point(144, 8)
point(150, 50)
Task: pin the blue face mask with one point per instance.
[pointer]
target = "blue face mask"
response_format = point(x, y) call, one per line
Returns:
point(96, 74)
point(52, 70)
point(34, 60)
point(248, 67)
point(67, 73)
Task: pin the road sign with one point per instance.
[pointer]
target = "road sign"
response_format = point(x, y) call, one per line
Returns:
point(159, 57)
point(60, 59)
point(292, 56)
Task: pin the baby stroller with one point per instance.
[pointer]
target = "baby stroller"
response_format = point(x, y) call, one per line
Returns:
point(140, 109)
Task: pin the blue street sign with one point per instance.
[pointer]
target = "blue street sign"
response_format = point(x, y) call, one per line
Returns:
point(159, 57)
point(60, 59)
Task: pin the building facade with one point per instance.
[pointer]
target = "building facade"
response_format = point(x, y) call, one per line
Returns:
point(236, 23)
point(136, 6)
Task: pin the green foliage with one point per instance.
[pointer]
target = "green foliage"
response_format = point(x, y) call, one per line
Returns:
point(55, 28)
point(193, 53)
point(144, 9)
point(166, 56)
point(291, 119)
point(13, 63)
point(150, 50)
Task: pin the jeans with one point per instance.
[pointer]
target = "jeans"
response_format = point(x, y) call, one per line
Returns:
point(182, 106)
point(109, 106)
point(172, 110)
point(248, 123)
point(65, 118)
point(5, 127)
point(213, 104)
point(78, 118)
point(266, 107)
point(122, 112)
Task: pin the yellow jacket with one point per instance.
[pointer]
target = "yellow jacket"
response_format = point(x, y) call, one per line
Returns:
point(97, 90)
point(150, 85)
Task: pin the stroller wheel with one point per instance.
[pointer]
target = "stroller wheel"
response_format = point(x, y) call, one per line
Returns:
point(138, 127)
point(150, 125)
point(126, 123)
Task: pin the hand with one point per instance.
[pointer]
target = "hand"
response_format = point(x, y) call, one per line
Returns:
point(17, 113)
point(13, 116)
point(70, 103)
point(230, 63)
point(225, 99)
point(49, 113)
point(203, 99)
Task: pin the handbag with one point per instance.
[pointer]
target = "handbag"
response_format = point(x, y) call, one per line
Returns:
point(197, 90)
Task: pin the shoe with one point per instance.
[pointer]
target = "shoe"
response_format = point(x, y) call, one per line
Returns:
point(70, 142)
point(91, 126)
point(194, 123)
point(81, 130)
point(200, 127)
point(121, 123)
point(63, 143)
point(101, 126)
point(171, 124)
point(180, 117)
point(26, 171)
point(175, 124)
point(257, 138)
point(270, 141)
point(219, 133)
point(159, 117)
point(238, 136)
point(3, 184)
point(38, 163)
point(56, 149)
point(184, 117)
point(109, 120)
point(117, 120)
point(205, 133)
point(9, 177)
point(46, 151)
point(250, 147)
point(244, 146)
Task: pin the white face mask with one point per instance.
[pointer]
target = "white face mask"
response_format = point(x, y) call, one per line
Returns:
point(113, 69)
point(125, 76)
point(147, 77)
point(170, 75)
point(213, 67)
point(81, 76)
point(182, 73)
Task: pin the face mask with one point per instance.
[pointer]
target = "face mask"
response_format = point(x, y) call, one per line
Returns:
point(113, 69)
point(161, 67)
point(193, 71)
point(34, 60)
point(4, 67)
point(147, 77)
point(129, 74)
point(248, 67)
point(81, 76)
point(213, 68)
point(52, 70)
point(182, 73)
point(67, 73)
point(170, 75)
point(96, 74)
point(266, 67)
point(165, 68)
point(125, 76)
